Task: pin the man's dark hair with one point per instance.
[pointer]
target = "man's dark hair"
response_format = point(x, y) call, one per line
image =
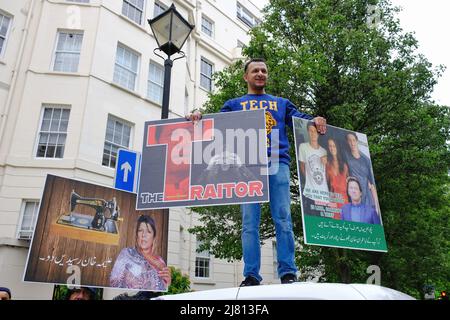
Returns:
point(352, 134)
point(253, 60)
point(7, 290)
point(354, 179)
point(338, 151)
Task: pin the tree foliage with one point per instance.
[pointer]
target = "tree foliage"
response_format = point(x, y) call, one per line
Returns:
point(326, 58)
point(180, 283)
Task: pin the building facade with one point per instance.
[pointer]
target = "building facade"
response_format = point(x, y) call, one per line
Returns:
point(78, 79)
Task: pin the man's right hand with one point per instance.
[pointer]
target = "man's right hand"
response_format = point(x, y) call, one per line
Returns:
point(194, 116)
point(321, 124)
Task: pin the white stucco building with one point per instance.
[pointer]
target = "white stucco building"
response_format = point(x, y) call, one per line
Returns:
point(78, 78)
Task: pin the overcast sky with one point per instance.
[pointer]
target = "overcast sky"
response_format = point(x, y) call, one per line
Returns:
point(430, 21)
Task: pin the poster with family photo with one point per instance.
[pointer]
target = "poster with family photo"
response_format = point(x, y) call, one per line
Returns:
point(339, 200)
point(92, 236)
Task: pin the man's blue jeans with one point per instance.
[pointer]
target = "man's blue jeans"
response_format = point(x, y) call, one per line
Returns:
point(280, 208)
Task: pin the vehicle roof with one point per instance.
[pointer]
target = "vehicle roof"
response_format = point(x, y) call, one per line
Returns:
point(296, 291)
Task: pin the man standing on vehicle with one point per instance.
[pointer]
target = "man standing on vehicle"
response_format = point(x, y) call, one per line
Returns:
point(279, 112)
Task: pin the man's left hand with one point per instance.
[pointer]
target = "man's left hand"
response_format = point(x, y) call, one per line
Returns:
point(321, 124)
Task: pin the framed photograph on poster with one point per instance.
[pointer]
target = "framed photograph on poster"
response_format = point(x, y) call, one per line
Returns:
point(220, 160)
point(92, 236)
point(337, 188)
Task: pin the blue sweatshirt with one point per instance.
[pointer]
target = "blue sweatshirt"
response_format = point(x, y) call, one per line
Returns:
point(279, 112)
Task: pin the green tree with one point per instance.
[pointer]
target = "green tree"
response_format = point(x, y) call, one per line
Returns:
point(326, 58)
point(180, 283)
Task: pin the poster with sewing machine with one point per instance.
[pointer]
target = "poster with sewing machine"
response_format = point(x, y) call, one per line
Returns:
point(92, 235)
point(221, 159)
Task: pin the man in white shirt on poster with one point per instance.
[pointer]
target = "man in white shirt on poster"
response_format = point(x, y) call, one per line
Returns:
point(312, 160)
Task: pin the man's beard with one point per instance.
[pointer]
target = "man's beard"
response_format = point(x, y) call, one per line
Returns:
point(259, 87)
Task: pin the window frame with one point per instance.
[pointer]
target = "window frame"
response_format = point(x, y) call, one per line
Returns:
point(243, 14)
point(161, 5)
point(206, 257)
point(8, 31)
point(136, 8)
point(34, 218)
point(112, 143)
point(136, 73)
point(154, 83)
point(38, 136)
point(55, 50)
point(211, 22)
point(203, 59)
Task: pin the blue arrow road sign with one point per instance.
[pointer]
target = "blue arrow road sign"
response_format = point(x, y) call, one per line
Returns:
point(127, 170)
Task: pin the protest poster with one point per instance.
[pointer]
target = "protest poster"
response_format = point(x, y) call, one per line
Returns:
point(338, 194)
point(222, 159)
point(93, 236)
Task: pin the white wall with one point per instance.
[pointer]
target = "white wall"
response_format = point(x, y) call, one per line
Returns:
point(91, 96)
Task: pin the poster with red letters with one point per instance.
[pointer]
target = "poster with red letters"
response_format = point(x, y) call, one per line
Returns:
point(221, 159)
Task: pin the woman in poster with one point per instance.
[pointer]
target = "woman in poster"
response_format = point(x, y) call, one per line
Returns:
point(138, 267)
point(337, 173)
point(356, 210)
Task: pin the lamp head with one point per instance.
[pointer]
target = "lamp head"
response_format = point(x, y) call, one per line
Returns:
point(171, 30)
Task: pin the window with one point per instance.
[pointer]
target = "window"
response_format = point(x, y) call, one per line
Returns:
point(27, 219)
point(206, 70)
point(275, 260)
point(53, 132)
point(4, 27)
point(133, 9)
point(207, 26)
point(155, 82)
point(67, 52)
point(125, 72)
point(159, 8)
point(117, 136)
point(240, 44)
point(202, 263)
point(245, 16)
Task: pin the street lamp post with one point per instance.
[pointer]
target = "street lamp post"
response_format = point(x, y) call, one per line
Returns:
point(171, 31)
